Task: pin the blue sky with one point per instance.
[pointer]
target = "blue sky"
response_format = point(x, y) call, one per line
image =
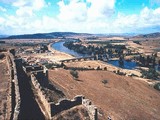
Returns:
point(90, 16)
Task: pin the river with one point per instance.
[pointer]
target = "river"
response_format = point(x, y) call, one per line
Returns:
point(60, 47)
point(127, 64)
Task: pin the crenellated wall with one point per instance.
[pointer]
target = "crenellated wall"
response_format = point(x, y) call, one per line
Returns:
point(64, 104)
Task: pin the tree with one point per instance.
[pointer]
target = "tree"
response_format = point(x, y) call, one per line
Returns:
point(121, 61)
point(153, 62)
point(62, 64)
point(2, 55)
point(157, 86)
point(13, 51)
point(150, 74)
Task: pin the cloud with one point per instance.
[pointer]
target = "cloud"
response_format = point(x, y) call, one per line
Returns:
point(132, 23)
point(2, 20)
point(26, 7)
point(7, 1)
point(89, 10)
point(90, 16)
point(2, 9)
point(35, 5)
point(74, 11)
point(26, 11)
point(100, 9)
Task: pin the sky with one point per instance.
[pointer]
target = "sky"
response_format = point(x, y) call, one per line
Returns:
point(83, 16)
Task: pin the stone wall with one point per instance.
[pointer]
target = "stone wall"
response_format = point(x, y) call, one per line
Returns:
point(91, 109)
point(9, 96)
point(41, 96)
point(65, 104)
point(14, 79)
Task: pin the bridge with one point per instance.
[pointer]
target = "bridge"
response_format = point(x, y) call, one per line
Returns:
point(78, 59)
point(88, 58)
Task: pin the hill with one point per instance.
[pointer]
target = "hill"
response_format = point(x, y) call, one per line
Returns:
point(72, 34)
point(45, 35)
point(151, 35)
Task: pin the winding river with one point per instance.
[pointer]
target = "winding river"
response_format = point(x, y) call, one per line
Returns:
point(60, 47)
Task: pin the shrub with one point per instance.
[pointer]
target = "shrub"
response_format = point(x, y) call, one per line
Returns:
point(157, 86)
point(150, 74)
point(98, 68)
point(74, 73)
point(49, 66)
point(104, 81)
point(2, 55)
point(105, 68)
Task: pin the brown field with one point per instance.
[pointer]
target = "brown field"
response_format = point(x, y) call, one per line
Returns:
point(95, 64)
point(4, 89)
point(147, 46)
point(152, 45)
point(121, 98)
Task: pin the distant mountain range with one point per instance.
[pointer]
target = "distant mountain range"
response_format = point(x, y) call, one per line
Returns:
point(3, 36)
point(46, 35)
point(70, 34)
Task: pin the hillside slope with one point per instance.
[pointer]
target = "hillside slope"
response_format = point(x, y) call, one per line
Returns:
point(121, 98)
